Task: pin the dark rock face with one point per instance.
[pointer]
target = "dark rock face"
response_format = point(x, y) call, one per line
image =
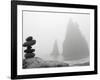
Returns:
point(75, 46)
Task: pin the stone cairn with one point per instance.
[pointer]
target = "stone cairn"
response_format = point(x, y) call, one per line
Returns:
point(29, 51)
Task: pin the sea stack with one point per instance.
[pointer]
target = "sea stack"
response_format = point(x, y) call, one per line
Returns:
point(75, 46)
point(55, 52)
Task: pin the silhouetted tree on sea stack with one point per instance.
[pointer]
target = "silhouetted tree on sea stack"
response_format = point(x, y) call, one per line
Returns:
point(29, 51)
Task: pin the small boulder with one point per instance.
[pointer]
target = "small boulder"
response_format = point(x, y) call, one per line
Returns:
point(29, 50)
point(29, 47)
point(29, 55)
point(29, 43)
point(29, 38)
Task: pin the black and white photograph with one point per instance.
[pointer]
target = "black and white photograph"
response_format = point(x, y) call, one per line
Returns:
point(53, 38)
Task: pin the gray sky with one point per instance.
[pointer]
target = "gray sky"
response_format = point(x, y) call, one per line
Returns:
point(47, 27)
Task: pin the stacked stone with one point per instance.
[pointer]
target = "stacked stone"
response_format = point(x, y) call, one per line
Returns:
point(29, 51)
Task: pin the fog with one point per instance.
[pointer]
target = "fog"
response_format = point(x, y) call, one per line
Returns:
point(48, 27)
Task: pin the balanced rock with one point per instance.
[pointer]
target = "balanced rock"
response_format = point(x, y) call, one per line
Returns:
point(29, 50)
point(29, 55)
point(29, 43)
point(29, 47)
point(29, 38)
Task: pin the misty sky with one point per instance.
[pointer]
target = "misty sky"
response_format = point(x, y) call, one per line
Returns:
point(46, 27)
